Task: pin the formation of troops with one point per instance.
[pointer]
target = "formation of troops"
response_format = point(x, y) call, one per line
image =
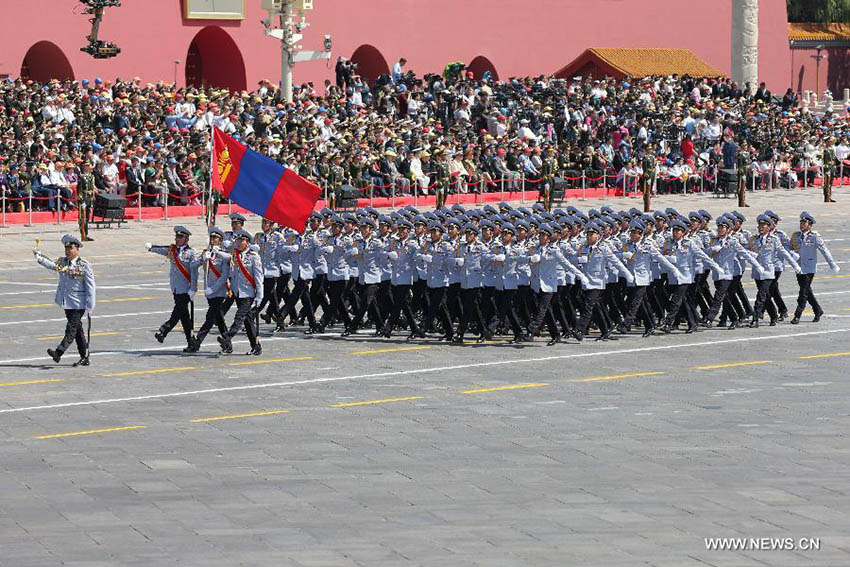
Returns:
point(482, 272)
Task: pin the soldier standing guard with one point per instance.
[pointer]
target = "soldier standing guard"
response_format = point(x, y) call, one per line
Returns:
point(85, 198)
point(183, 278)
point(336, 179)
point(441, 183)
point(75, 294)
point(744, 161)
point(648, 164)
point(828, 169)
point(550, 167)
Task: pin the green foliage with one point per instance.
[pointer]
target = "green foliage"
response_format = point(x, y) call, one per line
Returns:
point(818, 10)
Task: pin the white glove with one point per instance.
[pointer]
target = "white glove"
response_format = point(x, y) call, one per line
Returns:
point(192, 295)
point(628, 255)
point(427, 258)
point(836, 269)
point(254, 248)
point(459, 262)
point(227, 243)
point(764, 274)
point(679, 275)
point(257, 302)
point(392, 255)
point(499, 258)
point(582, 259)
point(36, 253)
point(535, 258)
point(630, 278)
point(148, 246)
point(354, 251)
point(207, 255)
point(585, 280)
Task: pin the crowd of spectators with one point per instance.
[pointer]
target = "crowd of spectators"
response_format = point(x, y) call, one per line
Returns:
point(404, 133)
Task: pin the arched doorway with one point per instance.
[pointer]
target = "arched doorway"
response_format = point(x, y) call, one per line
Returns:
point(45, 61)
point(479, 66)
point(370, 63)
point(214, 60)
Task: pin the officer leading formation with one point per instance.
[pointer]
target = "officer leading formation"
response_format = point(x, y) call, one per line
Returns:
point(489, 272)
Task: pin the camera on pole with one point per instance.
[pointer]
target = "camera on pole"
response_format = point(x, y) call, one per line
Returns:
point(98, 48)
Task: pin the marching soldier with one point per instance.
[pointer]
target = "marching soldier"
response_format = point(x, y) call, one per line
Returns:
point(269, 242)
point(401, 253)
point(807, 243)
point(471, 261)
point(246, 284)
point(338, 274)
point(216, 288)
point(768, 250)
point(829, 161)
point(183, 279)
point(75, 294)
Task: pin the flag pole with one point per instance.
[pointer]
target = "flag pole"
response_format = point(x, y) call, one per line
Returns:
point(211, 214)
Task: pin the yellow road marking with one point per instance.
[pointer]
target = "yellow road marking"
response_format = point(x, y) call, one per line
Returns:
point(270, 360)
point(732, 364)
point(104, 334)
point(120, 299)
point(239, 416)
point(154, 371)
point(28, 382)
point(91, 432)
point(617, 376)
point(826, 355)
point(388, 400)
point(499, 388)
point(399, 349)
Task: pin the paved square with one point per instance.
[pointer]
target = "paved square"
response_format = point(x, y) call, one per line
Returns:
point(372, 452)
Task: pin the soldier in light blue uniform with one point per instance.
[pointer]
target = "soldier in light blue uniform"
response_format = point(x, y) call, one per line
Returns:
point(246, 284)
point(401, 257)
point(437, 254)
point(807, 243)
point(76, 294)
point(730, 255)
point(507, 256)
point(472, 264)
point(548, 261)
point(683, 252)
point(595, 259)
point(270, 242)
point(216, 288)
point(768, 250)
point(284, 262)
point(774, 294)
point(338, 273)
point(369, 254)
point(303, 271)
point(183, 279)
point(640, 254)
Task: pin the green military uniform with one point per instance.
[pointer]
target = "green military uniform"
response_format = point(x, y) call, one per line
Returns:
point(744, 160)
point(85, 201)
point(442, 181)
point(336, 178)
point(648, 164)
point(549, 169)
point(828, 172)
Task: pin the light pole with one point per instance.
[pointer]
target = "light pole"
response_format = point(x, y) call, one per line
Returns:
point(176, 63)
point(818, 58)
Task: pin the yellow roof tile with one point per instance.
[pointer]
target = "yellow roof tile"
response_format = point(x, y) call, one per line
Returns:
point(645, 61)
point(814, 31)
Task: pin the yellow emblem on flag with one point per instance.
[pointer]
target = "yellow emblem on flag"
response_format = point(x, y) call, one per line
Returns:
point(224, 164)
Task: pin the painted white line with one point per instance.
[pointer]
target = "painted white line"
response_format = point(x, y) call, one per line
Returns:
point(138, 350)
point(379, 375)
point(93, 317)
point(140, 287)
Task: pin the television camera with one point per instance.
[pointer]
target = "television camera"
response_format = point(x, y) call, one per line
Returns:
point(98, 48)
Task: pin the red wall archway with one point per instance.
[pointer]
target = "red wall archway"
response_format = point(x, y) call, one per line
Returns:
point(214, 60)
point(370, 62)
point(481, 64)
point(45, 61)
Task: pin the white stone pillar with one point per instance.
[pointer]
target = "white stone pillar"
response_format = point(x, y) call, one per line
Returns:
point(745, 42)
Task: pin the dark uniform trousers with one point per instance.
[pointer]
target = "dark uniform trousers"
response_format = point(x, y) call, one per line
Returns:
point(270, 297)
point(437, 309)
point(592, 309)
point(741, 295)
point(453, 301)
point(488, 302)
point(179, 313)
point(545, 314)
point(282, 289)
point(505, 302)
point(776, 295)
point(300, 291)
point(471, 300)
point(368, 300)
point(420, 296)
point(638, 304)
point(214, 317)
point(401, 303)
point(680, 303)
point(806, 295)
point(722, 299)
point(244, 318)
point(762, 302)
point(74, 332)
point(336, 308)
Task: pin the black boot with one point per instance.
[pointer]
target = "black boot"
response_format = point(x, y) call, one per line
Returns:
point(84, 361)
point(226, 345)
point(159, 336)
point(795, 320)
point(55, 354)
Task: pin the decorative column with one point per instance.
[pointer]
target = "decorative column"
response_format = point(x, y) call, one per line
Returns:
point(745, 42)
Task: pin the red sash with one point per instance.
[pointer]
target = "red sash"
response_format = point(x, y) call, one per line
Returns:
point(245, 272)
point(217, 273)
point(172, 251)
